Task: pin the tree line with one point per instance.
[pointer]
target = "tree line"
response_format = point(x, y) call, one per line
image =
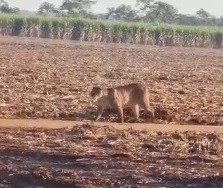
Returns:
point(144, 11)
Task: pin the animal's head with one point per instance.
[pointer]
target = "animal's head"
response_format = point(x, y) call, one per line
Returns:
point(96, 93)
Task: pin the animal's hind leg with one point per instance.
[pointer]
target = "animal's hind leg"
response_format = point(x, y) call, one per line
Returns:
point(135, 110)
point(149, 110)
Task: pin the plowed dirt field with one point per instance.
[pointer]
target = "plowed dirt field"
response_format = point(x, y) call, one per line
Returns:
point(51, 79)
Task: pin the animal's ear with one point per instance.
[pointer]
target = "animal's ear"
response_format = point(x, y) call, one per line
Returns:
point(94, 88)
point(97, 88)
point(92, 91)
point(95, 91)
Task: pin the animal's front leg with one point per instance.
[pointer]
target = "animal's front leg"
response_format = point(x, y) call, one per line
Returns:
point(121, 115)
point(100, 112)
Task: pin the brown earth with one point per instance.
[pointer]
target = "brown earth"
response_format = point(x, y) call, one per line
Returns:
point(102, 156)
point(59, 124)
point(52, 79)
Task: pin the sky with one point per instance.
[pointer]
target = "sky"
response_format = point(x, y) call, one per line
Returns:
point(215, 7)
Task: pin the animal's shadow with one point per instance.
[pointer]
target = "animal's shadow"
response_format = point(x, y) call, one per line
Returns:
point(111, 115)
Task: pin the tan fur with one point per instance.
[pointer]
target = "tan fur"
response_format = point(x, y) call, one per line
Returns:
point(134, 96)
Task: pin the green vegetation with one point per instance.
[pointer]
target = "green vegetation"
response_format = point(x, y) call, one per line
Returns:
point(109, 31)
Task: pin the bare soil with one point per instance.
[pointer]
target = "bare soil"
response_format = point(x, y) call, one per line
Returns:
point(59, 124)
point(101, 156)
point(51, 79)
point(42, 78)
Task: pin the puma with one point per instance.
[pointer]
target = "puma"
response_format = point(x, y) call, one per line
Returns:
point(134, 96)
